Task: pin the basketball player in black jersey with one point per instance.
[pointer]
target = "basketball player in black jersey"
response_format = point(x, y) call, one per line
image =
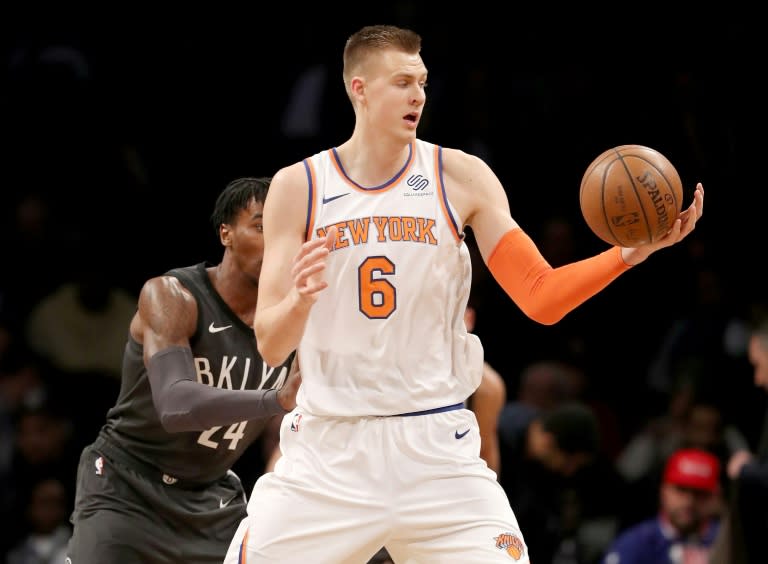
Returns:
point(156, 485)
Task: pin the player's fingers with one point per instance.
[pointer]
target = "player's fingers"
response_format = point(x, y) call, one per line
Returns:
point(308, 247)
point(330, 238)
point(691, 215)
point(313, 287)
point(302, 276)
point(676, 233)
point(699, 199)
point(316, 256)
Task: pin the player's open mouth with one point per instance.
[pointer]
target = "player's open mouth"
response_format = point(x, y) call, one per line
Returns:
point(412, 118)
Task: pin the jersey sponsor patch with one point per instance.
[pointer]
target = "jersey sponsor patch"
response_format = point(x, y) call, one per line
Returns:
point(511, 543)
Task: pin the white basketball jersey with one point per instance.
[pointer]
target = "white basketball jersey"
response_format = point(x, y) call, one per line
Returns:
point(387, 336)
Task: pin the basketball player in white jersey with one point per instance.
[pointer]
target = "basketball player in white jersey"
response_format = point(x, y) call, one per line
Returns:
point(366, 274)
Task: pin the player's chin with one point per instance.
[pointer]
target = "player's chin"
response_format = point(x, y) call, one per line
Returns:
point(407, 133)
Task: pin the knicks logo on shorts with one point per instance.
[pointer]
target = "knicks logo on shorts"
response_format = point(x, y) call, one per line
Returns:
point(296, 422)
point(511, 543)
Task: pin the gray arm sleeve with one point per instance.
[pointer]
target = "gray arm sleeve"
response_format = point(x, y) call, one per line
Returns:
point(183, 404)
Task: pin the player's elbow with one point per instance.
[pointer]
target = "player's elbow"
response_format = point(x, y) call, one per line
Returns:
point(183, 419)
point(271, 355)
point(178, 422)
point(545, 316)
point(266, 345)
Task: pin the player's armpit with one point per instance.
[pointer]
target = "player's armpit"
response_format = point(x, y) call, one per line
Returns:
point(543, 293)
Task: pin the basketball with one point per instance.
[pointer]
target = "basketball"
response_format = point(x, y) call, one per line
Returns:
point(630, 195)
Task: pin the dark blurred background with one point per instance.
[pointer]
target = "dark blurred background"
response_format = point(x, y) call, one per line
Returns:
point(118, 131)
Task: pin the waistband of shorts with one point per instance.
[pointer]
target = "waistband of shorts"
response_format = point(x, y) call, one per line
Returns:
point(443, 409)
point(114, 452)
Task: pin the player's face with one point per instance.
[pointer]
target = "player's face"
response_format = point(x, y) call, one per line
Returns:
point(395, 92)
point(758, 356)
point(247, 239)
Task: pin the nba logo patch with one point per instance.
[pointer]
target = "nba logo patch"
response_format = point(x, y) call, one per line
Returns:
point(99, 464)
point(296, 422)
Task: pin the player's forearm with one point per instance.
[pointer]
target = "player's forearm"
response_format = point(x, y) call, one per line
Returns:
point(196, 407)
point(183, 404)
point(279, 328)
point(545, 294)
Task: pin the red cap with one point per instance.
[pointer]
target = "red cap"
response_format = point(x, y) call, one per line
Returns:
point(693, 468)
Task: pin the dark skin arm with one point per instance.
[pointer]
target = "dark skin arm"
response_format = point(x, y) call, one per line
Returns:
point(166, 318)
point(487, 403)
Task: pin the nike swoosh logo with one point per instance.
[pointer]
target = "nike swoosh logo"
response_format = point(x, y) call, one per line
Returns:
point(213, 329)
point(332, 198)
point(461, 435)
point(223, 504)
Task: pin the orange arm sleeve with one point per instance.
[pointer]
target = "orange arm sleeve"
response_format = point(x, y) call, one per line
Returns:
point(543, 293)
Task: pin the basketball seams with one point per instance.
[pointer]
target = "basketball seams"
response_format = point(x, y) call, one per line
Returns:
point(596, 163)
point(603, 206)
point(639, 198)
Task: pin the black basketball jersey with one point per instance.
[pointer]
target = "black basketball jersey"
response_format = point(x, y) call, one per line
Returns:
point(224, 349)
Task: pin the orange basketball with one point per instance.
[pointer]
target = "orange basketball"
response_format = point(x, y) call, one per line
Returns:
point(630, 195)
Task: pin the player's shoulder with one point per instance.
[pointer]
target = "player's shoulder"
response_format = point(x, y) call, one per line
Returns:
point(165, 288)
point(291, 175)
point(463, 167)
point(292, 183)
point(452, 155)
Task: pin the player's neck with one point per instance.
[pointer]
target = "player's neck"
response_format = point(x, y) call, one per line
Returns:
point(372, 162)
point(236, 288)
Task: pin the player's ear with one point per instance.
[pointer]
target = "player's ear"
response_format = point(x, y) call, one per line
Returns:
point(225, 234)
point(357, 88)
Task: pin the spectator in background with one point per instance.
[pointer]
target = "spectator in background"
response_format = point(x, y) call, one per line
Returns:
point(80, 330)
point(554, 477)
point(688, 520)
point(21, 386)
point(43, 449)
point(693, 420)
point(81, 326)
point(49, 531)
point(744, 536)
